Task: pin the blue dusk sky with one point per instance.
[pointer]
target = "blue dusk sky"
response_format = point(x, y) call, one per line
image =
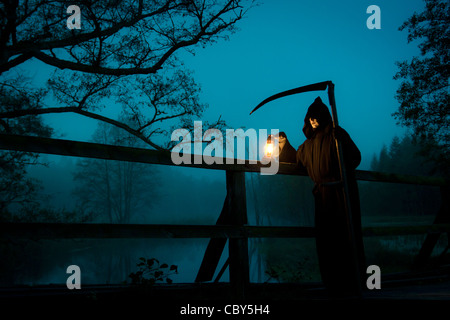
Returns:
point(285, 44)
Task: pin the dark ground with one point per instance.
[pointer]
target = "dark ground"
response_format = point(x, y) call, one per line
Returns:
point(399, 293)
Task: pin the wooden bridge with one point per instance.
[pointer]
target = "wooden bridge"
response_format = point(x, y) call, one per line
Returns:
point(235, 230)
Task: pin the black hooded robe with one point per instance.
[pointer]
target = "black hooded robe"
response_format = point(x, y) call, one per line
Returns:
point(318, 155)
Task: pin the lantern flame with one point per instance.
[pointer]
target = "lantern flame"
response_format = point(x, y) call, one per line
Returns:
point(268, 149)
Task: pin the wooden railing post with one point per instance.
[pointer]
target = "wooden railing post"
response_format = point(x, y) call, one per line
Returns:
point(442, 217)
point(238, 248)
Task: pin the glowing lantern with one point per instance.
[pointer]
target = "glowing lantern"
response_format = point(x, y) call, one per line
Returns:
point(268, 149)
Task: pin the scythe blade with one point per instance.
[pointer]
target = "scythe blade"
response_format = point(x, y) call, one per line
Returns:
point(320, 86)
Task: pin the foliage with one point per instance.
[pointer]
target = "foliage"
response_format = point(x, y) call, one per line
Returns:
point(119, 37)
point(16, 189)
point(424, 94)
point(402, 157)
point(41, 213)
point(151, 271)
point(389, 200)
point(288, 272)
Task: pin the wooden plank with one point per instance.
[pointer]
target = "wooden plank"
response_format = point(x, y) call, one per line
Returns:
point(238, 248)
point(443, 216)
point(214, 249)
point(135, 231)
point(405, 230)
point(399, 178)
point(83, 149)
point(120, 153)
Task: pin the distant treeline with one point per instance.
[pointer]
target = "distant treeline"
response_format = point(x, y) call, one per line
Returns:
point(402, 156)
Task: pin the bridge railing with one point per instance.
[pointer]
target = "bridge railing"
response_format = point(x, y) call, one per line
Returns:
point(236, 230)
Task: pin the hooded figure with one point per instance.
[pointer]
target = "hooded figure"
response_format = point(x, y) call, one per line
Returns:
point(318, 155)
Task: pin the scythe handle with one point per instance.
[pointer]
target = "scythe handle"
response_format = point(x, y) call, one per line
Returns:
point(343, 173)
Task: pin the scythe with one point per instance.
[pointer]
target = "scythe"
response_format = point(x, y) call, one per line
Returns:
point(320, 86)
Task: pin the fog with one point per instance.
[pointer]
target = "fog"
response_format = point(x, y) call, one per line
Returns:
point(196, 196)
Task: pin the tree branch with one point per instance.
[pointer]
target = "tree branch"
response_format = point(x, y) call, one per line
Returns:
point(36, 50)
point(15, 62)
point(87, 68)
point(22, 113)
point(75, 40)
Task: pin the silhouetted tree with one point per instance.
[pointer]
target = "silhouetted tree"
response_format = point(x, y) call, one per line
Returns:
point(424, 94)
point(124, 48)
point(116, 190)
point(387, 199)
point(16, 189)
point(118, 37)
point(402, 157)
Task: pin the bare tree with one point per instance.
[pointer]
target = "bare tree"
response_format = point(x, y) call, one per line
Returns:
point(122, 49)
point(126, 53)
point(116, 190)
point(118, 37)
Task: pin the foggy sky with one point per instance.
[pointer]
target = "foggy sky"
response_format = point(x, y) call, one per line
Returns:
point(286, 44)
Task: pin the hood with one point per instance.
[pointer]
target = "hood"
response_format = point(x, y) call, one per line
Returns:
point(317, 110)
